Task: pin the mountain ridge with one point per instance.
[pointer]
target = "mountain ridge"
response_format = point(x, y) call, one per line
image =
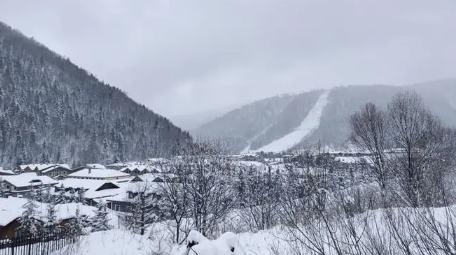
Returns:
point(332, 128)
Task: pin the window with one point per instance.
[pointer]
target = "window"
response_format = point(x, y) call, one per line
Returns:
point(117, 208)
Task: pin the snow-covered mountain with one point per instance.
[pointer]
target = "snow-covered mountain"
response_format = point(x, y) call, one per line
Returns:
point(53, 111)
point(291, 121)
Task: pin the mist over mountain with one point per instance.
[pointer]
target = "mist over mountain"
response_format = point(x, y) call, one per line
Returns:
point(53, 111)
point(195, 120)
point(278, 119)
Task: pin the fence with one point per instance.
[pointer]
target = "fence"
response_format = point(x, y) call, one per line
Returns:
point(35, 245)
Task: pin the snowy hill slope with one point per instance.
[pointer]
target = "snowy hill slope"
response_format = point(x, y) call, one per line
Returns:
point(246, 130)
point(310, 123)
point(260, 123)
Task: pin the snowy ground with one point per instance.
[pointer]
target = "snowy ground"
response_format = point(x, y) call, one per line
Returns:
point(277, 240)
point(119, 242)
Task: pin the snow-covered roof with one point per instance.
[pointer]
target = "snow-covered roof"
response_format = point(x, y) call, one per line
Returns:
point(3, 171)
point(41, 167)
point(353, 160)
point(140, 168)
point(152, 177)
point(54, 167)
point(28, 179)
point(78, 183)
point(11, 209)
point(133, 187)
point(106, 193)
point(91, 187)
point(98, 173)
point(117, 164)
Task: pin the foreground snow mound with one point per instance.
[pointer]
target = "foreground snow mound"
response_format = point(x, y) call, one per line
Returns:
point(226, 244)
point(113, 242)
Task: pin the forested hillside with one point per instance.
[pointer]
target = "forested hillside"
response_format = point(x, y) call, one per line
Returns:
point(53, 111)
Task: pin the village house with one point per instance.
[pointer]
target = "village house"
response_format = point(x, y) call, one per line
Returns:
point(57, 171)
point(22, 184)
point(99, 174)
point(124, 201)
point(38, 168)
point(11, 209)
point(94, 190)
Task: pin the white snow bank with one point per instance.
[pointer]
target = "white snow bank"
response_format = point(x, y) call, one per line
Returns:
point(11, 208)
point(98, 173)
point(226, 244)
point(310, 123)
point(112, 242)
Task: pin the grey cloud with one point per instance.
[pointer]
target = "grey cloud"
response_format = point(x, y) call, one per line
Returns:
point(181, 57)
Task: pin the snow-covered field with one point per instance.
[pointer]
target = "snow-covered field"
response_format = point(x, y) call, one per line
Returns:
point(377, 228)
point(310, 123)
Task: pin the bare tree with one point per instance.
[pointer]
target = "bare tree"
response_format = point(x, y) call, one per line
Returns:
point(369, 133)
point(421, 138)
point(175, 198)
point(407, 144)
point(209, 170)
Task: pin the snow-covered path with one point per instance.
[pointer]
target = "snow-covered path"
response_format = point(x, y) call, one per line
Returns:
point(311, 122)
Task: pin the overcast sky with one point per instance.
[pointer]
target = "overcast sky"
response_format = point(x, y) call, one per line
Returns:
point(186, 56)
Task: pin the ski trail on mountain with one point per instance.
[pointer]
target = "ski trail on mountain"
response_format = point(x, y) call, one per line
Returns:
point(247, 149)
point(310, 123)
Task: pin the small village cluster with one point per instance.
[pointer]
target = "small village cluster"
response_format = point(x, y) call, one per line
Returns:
point(79, 190)
point(82, 190)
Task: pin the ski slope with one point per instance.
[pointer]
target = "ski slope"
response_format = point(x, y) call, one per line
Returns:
point(310, 123)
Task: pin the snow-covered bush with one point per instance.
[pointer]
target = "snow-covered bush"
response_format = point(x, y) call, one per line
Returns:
point(226, 244)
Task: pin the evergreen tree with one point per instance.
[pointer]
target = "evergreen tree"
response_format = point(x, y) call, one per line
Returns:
point(51, 225)
point(77, 225)
point(105, 151)
point(100, 222)
point(241, 187)
point(143, 210)
point(81, 196)
point(72, 198)
point(29, 223)
point(61, 198)
point(47, 196)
